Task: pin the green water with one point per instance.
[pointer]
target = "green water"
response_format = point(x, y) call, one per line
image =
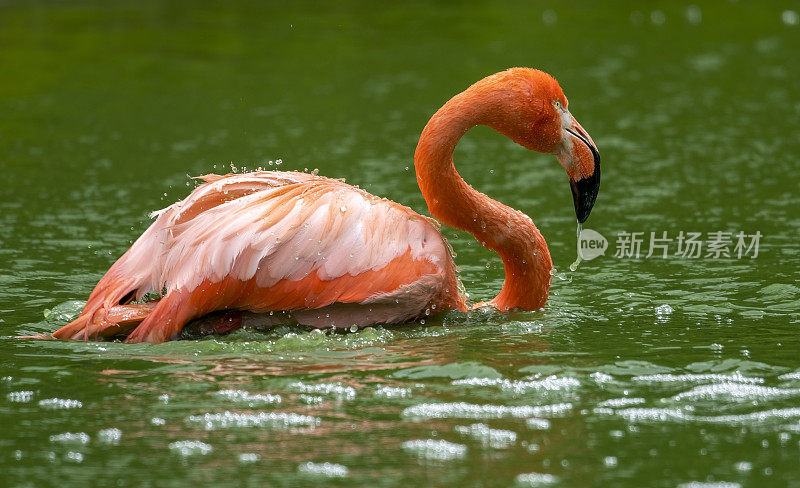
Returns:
point(106, 108)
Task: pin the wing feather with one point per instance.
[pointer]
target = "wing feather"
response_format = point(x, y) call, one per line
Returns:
point(277, 226)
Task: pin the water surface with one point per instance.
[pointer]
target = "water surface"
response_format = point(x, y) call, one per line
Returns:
point(640, 372)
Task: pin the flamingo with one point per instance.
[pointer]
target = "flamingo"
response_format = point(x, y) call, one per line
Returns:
point(277, 246)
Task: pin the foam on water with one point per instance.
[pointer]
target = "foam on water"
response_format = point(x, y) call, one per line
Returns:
point(735, 391)
point(601, 378)
point(227, 419)
point(535, 479)
point(754, 417)
point(248, 458)
point(649, 414)
point(329, 470)
point(109, 436)
point(621, 402)
point(472, 411)
point(496, 438)
point(190, 448)
point(71, 438)
point(336, 390)
point(20, 396)
point(537, 424)
point(310, 399)
point(59, 403)
point(656, 415)
point(392, 392)
point(435, 449)
point(736, 377)
point(663, 312)
point(710, 484)
point(73, 457)
point(252, 400)
point(550, 383)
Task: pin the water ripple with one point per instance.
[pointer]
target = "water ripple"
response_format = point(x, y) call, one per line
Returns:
point(248, 398)
point(329, 470)
point(496, 438)
point(281, 420)
point(735, 391)
point(435, 449)
point(472, 411)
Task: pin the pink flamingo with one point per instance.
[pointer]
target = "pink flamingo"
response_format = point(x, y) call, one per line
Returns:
point(320, 252)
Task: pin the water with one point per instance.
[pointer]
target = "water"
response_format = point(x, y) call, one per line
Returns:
point(579, 257)
point(641, 371)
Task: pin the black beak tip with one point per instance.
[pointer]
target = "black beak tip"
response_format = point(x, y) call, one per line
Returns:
point(584, 194)
point(584, 191)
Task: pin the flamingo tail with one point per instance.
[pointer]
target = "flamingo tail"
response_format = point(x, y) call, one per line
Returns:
point(107, 313)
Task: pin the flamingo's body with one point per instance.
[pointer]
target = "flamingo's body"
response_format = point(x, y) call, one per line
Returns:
point(325, 253)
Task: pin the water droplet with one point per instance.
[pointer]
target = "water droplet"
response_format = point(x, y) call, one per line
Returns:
point(663, 311)
point(549, 17)
point(354, 328)
point(574, 266)
point(433, 306)
point(657, 17)
point(422, 321)
point(427, 311)
point(790, 17)
point(693, 14)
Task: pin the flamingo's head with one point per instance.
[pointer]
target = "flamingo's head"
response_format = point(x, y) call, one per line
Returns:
point(578, 155)
point(539, 119)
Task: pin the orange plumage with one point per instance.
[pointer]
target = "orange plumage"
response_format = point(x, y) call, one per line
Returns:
point(328, 254)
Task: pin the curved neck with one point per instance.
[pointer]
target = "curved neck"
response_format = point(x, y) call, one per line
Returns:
point(452, 201)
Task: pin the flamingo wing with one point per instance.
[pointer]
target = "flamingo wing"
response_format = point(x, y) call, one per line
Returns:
point(275, 241)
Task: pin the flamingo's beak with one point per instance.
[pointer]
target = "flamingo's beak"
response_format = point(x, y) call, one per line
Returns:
point(578, 155)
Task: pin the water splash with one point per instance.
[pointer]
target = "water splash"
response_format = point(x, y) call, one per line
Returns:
point(330, 470)
point(495, 438)
point(190, 448)
point(279, 420)
point(435, 449)
point(574, 266)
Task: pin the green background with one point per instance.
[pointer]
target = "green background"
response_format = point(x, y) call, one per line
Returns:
point(105, 108)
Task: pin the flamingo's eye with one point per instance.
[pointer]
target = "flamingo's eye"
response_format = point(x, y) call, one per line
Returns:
point(557, 104)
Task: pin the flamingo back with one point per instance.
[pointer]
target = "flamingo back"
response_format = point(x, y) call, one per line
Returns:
point(269, 241)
